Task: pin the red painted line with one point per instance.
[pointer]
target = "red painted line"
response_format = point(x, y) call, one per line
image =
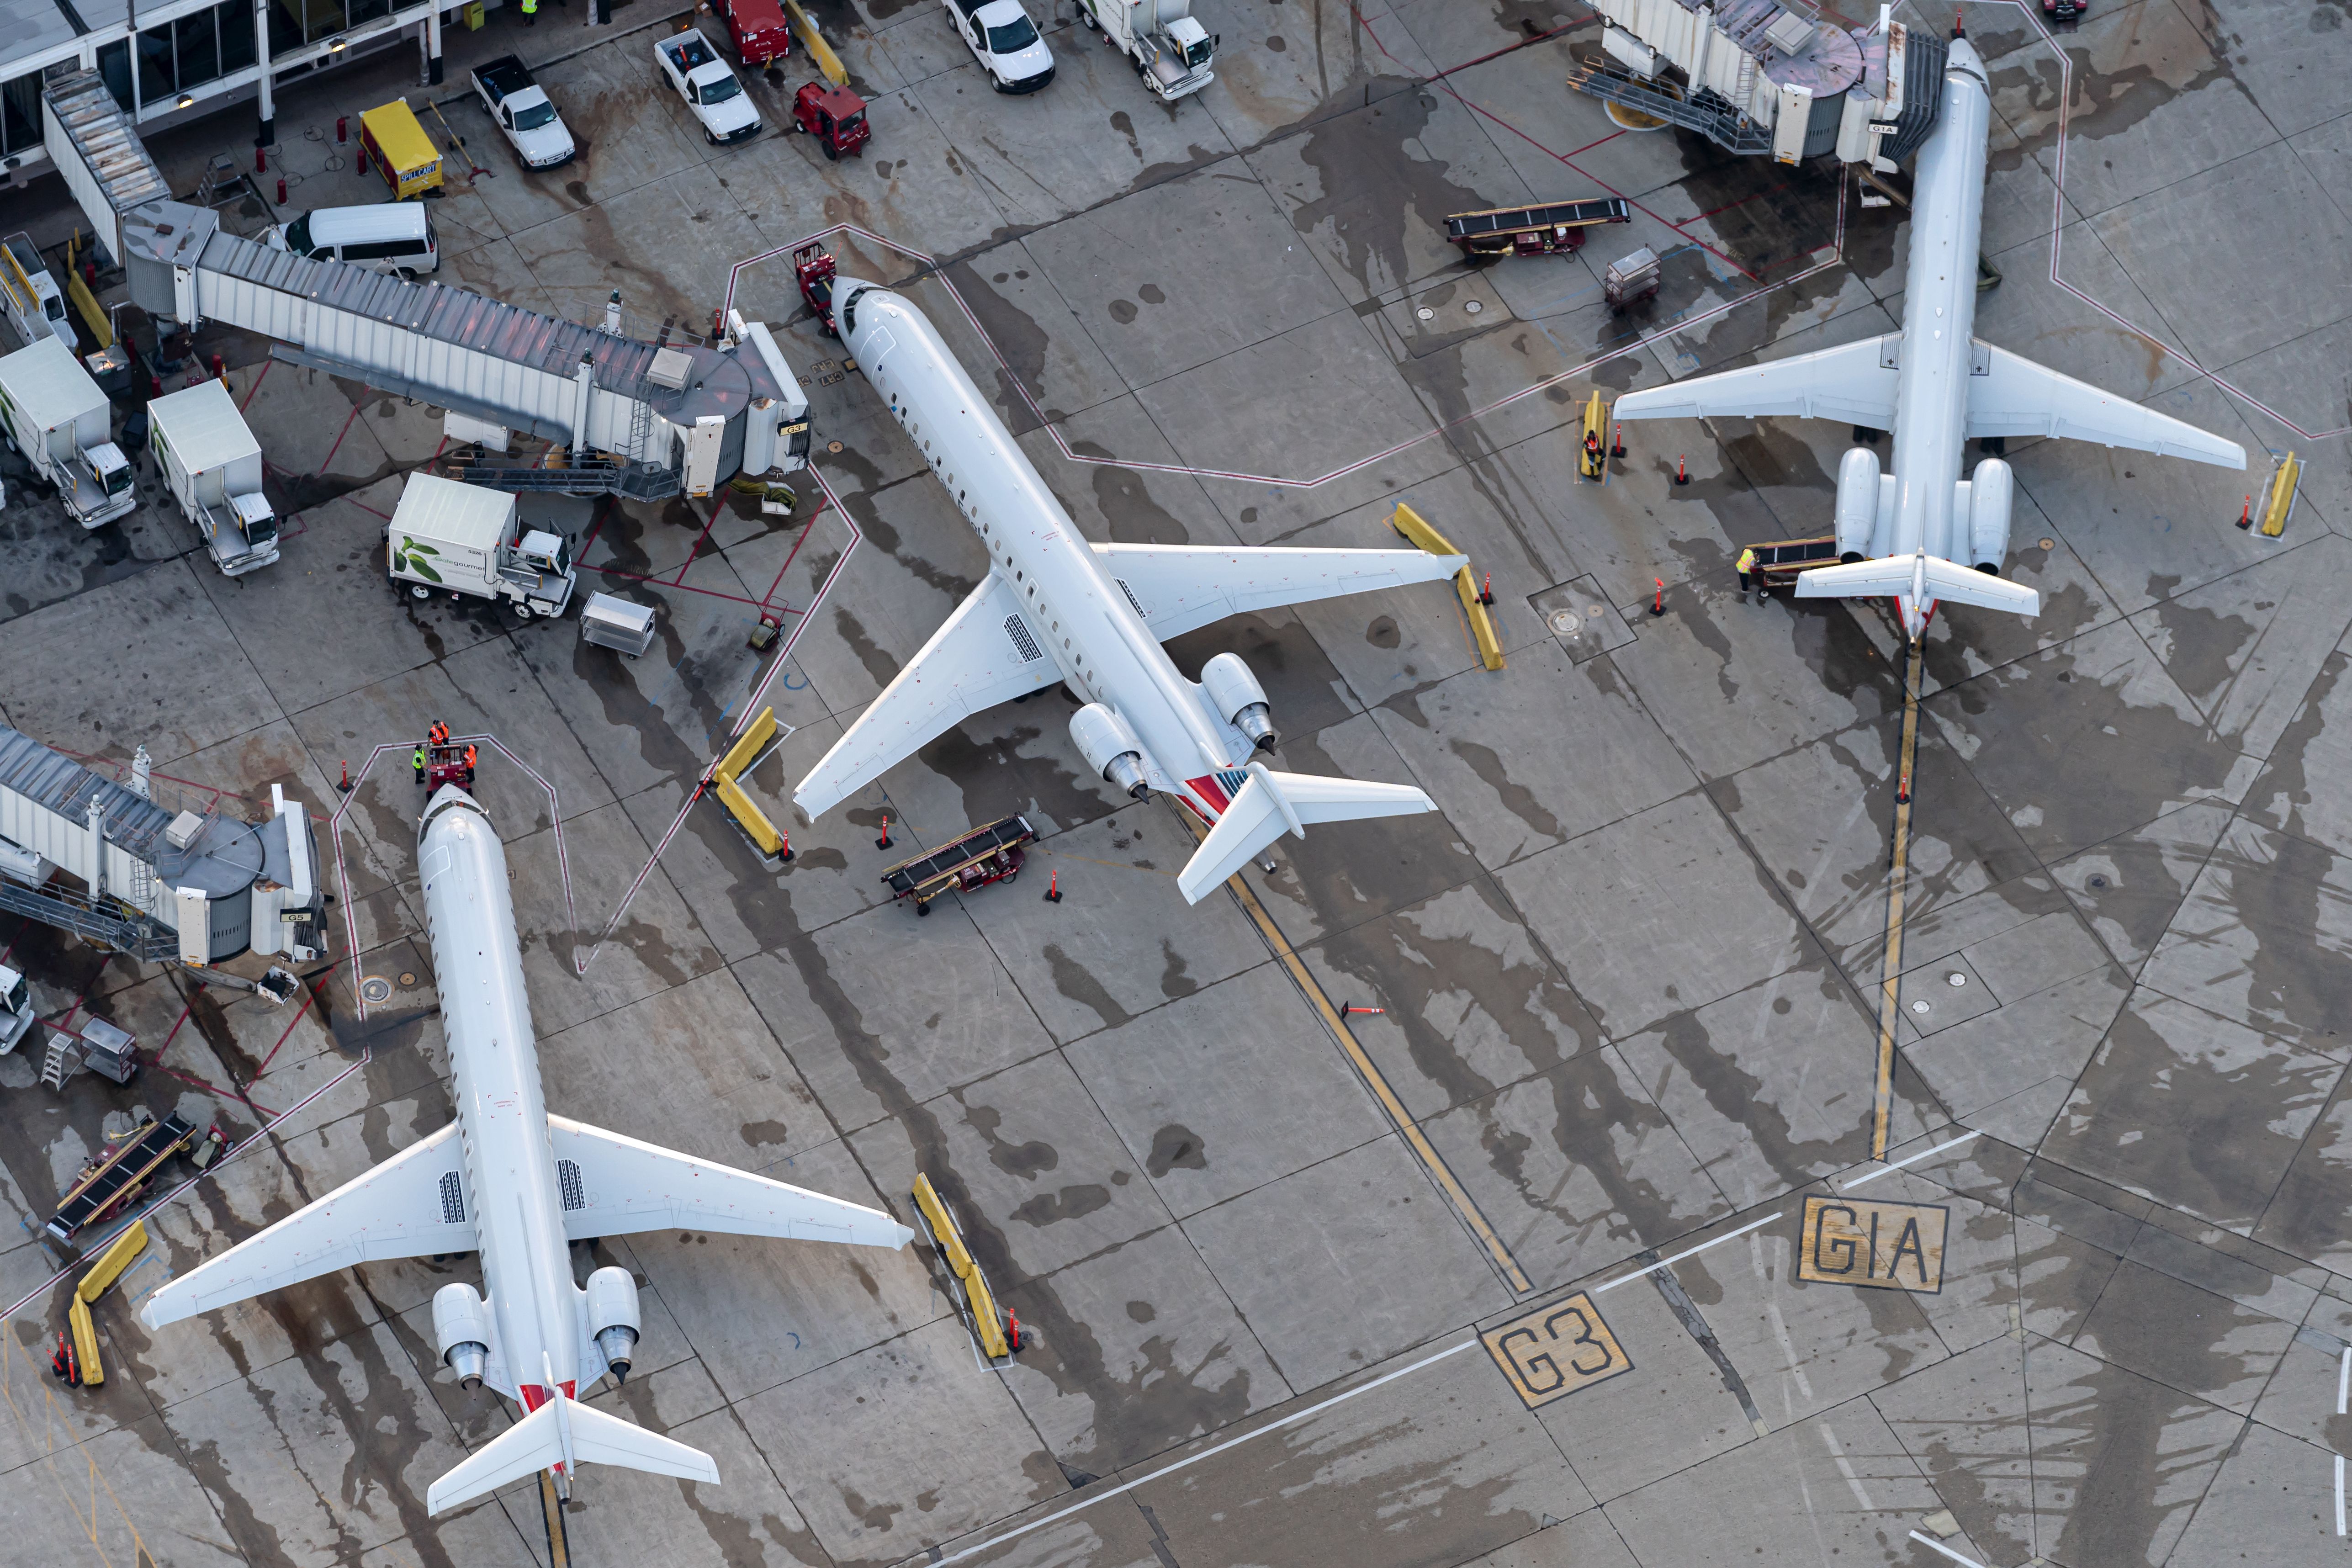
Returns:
point(339, 440)
point(309, 996)
point(255, 389)
point(185, 1009)
point(369, 510)
point(1742, 202)
point(767, 600)
point(1506, 48)
point(1604, 140)
point(662, 583)
point(708, 524)
point(239, 1096)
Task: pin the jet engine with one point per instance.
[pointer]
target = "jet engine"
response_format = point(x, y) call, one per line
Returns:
point(613, 1318)
point(1990, 490)
point(461, 1323)
point(1857, 502)
point(1110, 747)
point(1236, 695)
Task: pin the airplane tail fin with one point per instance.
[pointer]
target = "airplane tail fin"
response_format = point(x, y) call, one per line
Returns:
point(565, 1432)
point(1272, 804)
point(1915, 577)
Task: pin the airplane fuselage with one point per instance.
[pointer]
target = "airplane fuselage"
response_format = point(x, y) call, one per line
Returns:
point(1085, 620)
point(1939, 313)
point(511, 1186)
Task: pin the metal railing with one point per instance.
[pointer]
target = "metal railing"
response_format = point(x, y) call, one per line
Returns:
point(1708, 115)
point(138, 937)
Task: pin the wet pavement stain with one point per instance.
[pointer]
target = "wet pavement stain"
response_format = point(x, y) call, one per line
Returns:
point(1077, 982)
point(1175, 1147)
point(1374, 191)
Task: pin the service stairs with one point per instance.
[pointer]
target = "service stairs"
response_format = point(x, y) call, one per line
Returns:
point(63, 1060)
point(136, 938)
point(1708, 115)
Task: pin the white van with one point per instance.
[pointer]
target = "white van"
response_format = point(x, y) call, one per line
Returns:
point(391, 236)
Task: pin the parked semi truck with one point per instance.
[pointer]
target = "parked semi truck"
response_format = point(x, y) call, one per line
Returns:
point(58, 417)
point(465, 540)
point(213, 465)
point(1160, 38)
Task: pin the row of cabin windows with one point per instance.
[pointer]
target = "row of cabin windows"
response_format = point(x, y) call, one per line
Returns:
point(996, 546)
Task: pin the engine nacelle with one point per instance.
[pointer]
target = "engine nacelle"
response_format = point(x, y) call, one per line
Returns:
point(1857, 502)
point(613, 1320)
point(1235, 694)
point(1992, 490)
point(1110, 747)
point(461, 1326)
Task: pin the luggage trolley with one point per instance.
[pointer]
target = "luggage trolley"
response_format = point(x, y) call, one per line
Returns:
point(984, 855)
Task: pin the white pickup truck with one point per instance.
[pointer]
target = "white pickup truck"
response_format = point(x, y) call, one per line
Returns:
point(520, 108)
point(710, 89)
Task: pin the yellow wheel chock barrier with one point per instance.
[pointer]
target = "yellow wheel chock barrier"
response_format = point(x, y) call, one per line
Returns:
point(1409, 523)
point(987, 1323)
point(2286, 478)
point(821, 55)
point(102, 1274)
point(764, 833)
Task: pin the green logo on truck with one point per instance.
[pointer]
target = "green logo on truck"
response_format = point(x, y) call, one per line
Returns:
point(409, 556)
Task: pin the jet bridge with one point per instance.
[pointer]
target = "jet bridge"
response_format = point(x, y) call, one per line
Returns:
point(642, 420)
point(102, 859)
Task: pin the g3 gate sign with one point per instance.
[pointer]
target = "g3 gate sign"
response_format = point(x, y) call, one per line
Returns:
point(1892, 1246)
point(1557, 1350)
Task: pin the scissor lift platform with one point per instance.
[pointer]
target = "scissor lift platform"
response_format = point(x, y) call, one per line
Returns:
point(985, 855)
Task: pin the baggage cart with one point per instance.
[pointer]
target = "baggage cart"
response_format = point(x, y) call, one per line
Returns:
point(610, 621)
point(1631, 280)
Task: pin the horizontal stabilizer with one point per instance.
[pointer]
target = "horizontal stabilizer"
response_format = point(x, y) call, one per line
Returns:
point(1918, 577)
point(2015, 396)
point(1272, 804)
point(537, 1442)
point(1853, 383)
point(412, 1206)
point(627, 1187)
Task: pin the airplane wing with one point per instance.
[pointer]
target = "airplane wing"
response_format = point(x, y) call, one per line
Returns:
point(985, 653)
point(1855, 381)
point(618, 1186)
point(2019, 397)
point(1179, 587)
point(412, 1206)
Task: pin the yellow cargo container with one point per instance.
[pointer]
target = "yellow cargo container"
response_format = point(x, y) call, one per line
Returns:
point(396, 144)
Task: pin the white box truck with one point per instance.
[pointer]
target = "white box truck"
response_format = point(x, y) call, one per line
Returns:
point(213, 464)
point(1168, 48)
point(465, 540)
point(58, 419)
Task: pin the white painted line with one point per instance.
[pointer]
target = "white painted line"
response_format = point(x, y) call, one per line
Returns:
point(2344, 1381)
point(2339, 1494)
point(1938, 1546)
point(1678, 1258)
point(1291, 1420)
point(1913, 1160)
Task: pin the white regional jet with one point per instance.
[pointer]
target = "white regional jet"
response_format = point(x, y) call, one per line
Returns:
point(1935, 386)
point(515, 1183)
point(1056, 609)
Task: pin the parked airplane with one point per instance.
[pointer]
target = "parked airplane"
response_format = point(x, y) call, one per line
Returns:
point(516, 1184)
point(1935, 385)
point(1055, 609)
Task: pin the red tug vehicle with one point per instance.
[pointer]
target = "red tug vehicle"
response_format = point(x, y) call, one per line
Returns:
point(833, 115)
point(758, 29)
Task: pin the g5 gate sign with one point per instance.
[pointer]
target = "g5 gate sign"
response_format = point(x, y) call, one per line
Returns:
point(1890, 1246)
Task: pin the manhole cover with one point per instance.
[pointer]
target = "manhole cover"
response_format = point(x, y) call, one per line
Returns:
point(834, 447)
point(408, 977)
point(1919, 1007)
point(1564, 622)
point(1425, 313)
point(1473, 307)
point(375, 989)
point(2049, 544)
point(1956, 979)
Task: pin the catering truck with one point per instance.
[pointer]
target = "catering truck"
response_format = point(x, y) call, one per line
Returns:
point(463, 540)
point(1168, 49)
point(213, 465)
point(58, 417)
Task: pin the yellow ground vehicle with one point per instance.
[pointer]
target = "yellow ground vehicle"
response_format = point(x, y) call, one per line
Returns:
point(392, 139)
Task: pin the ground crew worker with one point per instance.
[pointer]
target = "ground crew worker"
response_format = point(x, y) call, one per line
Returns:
point(1591, 453)
point(419, 759)
point(469, 767)
point(531, 13)
point(1748, 569)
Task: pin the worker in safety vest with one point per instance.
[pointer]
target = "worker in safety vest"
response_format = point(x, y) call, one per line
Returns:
point(1748, 569)
point(531, 13)
point(420, 768)
point(469, 766)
